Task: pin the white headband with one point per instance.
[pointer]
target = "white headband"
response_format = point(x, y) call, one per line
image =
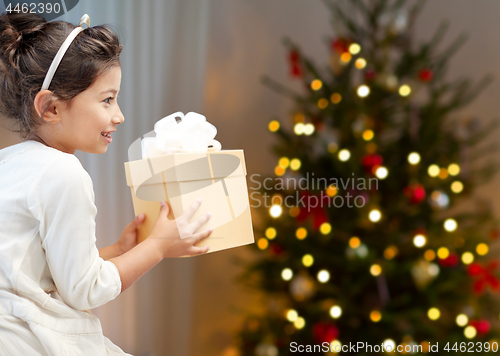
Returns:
point(64, 47)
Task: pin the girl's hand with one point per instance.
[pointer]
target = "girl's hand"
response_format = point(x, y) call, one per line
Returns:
point(176, 238)
point(128, 239)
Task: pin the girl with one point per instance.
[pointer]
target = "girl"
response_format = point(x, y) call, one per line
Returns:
point(59, 84)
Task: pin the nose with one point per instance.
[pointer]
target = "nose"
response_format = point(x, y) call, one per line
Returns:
point(118, 118)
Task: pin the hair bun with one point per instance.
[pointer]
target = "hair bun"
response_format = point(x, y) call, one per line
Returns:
point(14, 28)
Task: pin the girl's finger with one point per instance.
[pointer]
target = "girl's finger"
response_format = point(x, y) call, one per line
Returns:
point(195, 225)
point(200, 236)
point(199, 250)
point(164, 208)
point(189, 212)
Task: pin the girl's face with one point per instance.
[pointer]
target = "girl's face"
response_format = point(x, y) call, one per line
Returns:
point(80, 124)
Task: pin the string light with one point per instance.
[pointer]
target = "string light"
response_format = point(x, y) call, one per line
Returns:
point(308, 129)
point(404, 90)
point(316, 84)
point(443, 173)
point(279, 171)
point(354, 48)
point(453, 169)
point(434, 313)
point(262, 243)
point(419, 240)
point(292, 315)
point(470, 332)
point(344, 155)
point(414, 158)
point(270, 233)
point(375, 215)
point(336, 345)
point(354, 242)
point(381, 172)
point(336, 98)
point(390, 252)
point(433, 269)
point(323, 276)
point(287, 274)
point(275, 211)
point(345, 57)
point(301, 233)
point(335, 311)
point(375, 316)
point(375, 270)
point(457, 187)
point(274, 126)
point(467, 258)
point(298, 129)
point(363, 91)
point(443, 253)
point(322, 103)
point(362, 251)
point(284, 162)
point(450, 225)
point(331, 191)
point(325, 228)
point(307, 260)
point(360, 63)
point(368, 135)
point(482, 249)
point(462, 320)
point(429, 255)
point(295, 164)
point(299, 323)
point(389, 345)
point(433, 170)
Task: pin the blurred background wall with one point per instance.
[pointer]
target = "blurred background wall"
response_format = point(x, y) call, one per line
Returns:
point(209, 56)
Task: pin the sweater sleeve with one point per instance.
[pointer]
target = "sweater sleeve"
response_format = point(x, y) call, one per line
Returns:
point(62, 199)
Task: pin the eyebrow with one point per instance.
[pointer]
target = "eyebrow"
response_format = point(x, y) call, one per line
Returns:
point(109, 91)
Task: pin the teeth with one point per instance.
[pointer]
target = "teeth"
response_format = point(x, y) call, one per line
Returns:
point(106, 134)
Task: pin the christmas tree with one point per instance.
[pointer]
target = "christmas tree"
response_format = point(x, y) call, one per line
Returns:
point(383, 243)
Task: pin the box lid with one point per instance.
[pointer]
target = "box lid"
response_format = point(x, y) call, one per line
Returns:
point(179, 167)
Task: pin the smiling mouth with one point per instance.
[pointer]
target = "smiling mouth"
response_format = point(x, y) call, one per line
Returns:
point(106, 134)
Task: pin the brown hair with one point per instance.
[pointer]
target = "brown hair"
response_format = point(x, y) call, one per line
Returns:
point(28, 44)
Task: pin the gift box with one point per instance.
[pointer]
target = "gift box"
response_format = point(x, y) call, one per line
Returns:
point(217, 177)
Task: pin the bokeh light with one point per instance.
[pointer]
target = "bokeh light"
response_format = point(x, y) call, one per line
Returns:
point(274, 126)
point(316, 84)
point(434, 313)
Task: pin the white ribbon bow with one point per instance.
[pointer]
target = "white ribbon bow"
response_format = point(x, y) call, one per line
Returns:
point(178, 133)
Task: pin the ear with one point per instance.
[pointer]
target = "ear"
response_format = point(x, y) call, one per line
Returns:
point(44, 101)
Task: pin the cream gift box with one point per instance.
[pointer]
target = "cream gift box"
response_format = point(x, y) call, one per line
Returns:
point(217, 177)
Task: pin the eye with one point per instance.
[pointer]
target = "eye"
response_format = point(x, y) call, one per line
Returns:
point(108, 100)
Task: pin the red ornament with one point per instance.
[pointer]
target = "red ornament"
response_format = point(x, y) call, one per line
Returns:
point(425, 75)
point(482, 326)
point(484, 276)
point(415, 192)
point(450, 261)
point(341, 45)
point(295, 66)
point(314, 210)
point(325, 332)
point(371, 162)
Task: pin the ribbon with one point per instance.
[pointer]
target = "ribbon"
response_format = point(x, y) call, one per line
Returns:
point(179, 133)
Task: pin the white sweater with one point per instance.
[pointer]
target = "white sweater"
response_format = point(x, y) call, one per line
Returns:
point(50, 269)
